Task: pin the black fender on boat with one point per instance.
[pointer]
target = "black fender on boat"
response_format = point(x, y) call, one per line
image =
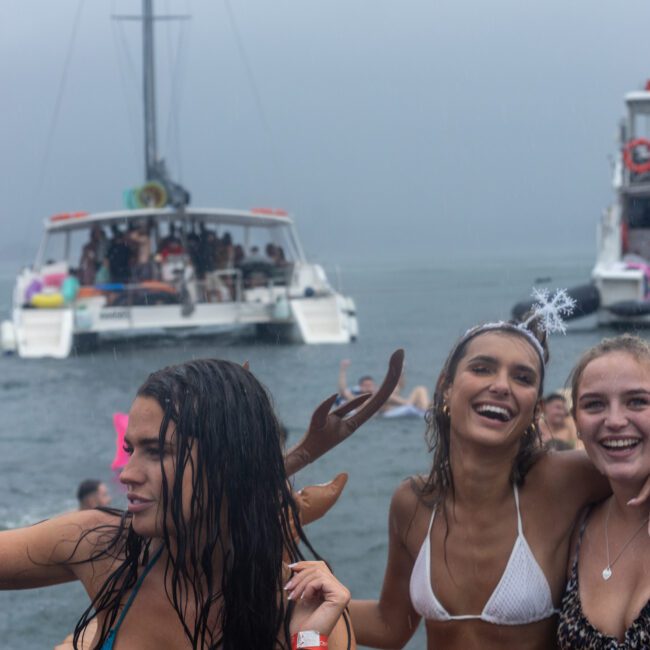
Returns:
point(587, 299)
point(630, 308)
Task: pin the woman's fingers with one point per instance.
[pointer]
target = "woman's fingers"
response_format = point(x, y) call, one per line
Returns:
point(313, 579)
point(643, 495)
point(320, 598)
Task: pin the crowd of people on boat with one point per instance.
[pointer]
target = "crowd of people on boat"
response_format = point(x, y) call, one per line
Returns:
point(138, 254)
point(505, 543)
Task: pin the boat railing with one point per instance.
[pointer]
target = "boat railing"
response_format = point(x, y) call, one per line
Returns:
point(232, 285)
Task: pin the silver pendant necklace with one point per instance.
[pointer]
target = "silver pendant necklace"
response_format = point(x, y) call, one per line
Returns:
point(607, 571)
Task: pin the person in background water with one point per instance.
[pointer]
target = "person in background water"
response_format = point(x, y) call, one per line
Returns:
point(416, 403)
point(607, 602)
point(92, 493)
point(366, 383)
point(556, 425)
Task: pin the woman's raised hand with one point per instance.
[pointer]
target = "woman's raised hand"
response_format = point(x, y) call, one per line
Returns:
point(326, 430)
point(320, 598)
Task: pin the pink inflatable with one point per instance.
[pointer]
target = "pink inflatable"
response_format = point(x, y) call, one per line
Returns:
point(54, 279)
point(120, 422)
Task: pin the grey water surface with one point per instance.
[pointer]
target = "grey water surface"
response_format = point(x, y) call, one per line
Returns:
point(56, 416)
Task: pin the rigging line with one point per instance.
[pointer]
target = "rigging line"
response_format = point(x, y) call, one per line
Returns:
point(130, 110)
point(59, 99)
point(179, 79)
point(257, 97)
point(170, 66)
point(173, 120)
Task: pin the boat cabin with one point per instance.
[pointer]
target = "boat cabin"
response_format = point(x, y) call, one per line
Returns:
point(154, 256)
point(634, 176)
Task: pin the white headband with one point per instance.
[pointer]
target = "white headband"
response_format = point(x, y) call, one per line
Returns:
point(548, 310)
point(505, 325)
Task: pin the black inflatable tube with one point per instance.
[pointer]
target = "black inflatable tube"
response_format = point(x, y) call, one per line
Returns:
point(630, 308)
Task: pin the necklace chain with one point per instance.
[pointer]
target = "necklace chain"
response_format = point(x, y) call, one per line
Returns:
point(607, 571)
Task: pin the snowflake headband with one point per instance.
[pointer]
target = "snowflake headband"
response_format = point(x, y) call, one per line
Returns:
point(548, 310)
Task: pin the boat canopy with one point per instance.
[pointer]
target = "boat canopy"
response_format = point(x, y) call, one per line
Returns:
point(638, 102)
point(257, 217)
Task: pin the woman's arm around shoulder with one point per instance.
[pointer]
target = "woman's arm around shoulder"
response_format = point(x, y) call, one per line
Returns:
point(48, 553)
point(570, 478)
point(391, 621)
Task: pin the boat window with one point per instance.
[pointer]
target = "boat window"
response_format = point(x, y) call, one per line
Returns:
point(638, 212)
point(56, 249)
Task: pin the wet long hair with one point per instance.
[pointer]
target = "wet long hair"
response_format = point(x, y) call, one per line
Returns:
point(241, 511)
point(440, 482)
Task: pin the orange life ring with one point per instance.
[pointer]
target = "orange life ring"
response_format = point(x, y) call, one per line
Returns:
point(273, 212)
point(64, 216)
point(628, 159)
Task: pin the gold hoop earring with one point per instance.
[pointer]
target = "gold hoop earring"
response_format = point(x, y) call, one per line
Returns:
point(445, 410)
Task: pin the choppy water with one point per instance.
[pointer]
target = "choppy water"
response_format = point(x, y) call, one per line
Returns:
point(55, 416)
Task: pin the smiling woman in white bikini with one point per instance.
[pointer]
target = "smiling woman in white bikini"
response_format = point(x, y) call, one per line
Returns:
point(479, 547)
point(608, 607)
point(198, 561)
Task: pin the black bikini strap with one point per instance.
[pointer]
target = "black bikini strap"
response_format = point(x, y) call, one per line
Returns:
point(583, 527)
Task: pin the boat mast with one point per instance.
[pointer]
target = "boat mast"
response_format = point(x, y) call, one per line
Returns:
point(155, 168)
point(149, 91)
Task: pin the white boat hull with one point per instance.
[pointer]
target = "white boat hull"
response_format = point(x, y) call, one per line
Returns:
point(39, 333)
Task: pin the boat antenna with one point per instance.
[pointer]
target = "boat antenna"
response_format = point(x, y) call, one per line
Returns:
point(155, 167)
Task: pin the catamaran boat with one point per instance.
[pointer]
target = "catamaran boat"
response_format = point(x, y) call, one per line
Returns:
point(290, 301)
point(619, 293)
point(58, 306)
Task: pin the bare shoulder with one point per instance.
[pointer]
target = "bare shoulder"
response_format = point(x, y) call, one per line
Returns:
point(86, 532)
point(406, 496)
point(407, 505)
point(567, 476)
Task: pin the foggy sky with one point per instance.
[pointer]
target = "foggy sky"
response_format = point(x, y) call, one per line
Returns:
point(412, 131)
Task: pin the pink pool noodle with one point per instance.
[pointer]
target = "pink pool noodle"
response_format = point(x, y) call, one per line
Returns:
point(120, 422)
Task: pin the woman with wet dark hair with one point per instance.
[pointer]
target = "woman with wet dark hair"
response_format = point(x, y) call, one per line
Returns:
point(205, 556)
point(478, 548)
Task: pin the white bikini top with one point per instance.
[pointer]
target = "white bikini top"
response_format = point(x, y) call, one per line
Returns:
point(522, 595)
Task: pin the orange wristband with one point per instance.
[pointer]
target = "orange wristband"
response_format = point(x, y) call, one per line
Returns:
point(309, 640)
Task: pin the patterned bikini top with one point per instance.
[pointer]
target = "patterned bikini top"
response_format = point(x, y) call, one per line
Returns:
point(574, 629)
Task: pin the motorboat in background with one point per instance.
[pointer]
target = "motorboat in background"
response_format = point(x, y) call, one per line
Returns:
point(56, 306)
point(619, 292)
